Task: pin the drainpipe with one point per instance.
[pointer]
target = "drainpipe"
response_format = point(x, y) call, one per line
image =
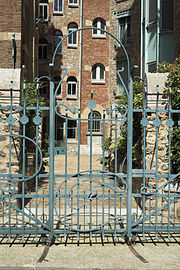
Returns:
point(142, 39)
point(80, 56)
point(158, 31)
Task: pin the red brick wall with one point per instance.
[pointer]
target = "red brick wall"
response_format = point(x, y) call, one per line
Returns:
point(10, 21)
point(94, 51)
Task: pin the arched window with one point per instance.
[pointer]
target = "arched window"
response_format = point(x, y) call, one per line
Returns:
point(71, 87)
point(99, 23)
point(56, 39)
point(98, 74)
point(96, 122)
point(43, 49)
point(56, 83)
point(43, 10)
point(73, 38)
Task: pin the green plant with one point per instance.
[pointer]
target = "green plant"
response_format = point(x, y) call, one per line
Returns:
point(173, 81)
point(31, 101)
point(137, 136)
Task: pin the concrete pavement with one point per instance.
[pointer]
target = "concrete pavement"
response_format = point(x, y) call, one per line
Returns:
point(109, 256)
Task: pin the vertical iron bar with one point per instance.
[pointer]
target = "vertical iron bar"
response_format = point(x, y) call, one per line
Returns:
point(10, 140)
point(66, 160)
point(115, 186)
point(79, 138)
point(169, 161)
point(144, 157)
point(91, 166)
point(103, 168)
point(157, 130)
point(129, 156)
point(36, 165)
point(51, 153)
point(24, 156)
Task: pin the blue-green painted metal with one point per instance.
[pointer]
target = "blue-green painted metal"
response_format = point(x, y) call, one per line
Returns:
point(88, 201)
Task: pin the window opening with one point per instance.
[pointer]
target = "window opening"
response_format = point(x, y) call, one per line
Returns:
point(43, 11)
point(58, 6)
point(98, 73)
point(71, 86)
point(99, 23)
point(43, 49)
point(125, 29)
point(96, 122)
point(56, 39)
point(73, 38)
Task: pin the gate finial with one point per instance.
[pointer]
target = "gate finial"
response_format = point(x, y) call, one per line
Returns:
point(91, 104)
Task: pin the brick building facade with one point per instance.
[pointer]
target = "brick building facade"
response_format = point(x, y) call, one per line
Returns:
point(91, 57)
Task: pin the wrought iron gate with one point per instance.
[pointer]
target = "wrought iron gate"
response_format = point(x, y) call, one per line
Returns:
point(76, 197)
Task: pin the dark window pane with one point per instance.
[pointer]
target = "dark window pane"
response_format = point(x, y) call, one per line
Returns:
point(152, 10)
point(45, 13)
point(69, 89)
point(73, 89)
point(95, 30)
point(44, 52)
point(56, 5)
point(60, 5)
point(94, 73)
point(71, 133)
point(70, 37)
point(74, 38)
point(40, 12)
point(167, 15)
point(101, 73)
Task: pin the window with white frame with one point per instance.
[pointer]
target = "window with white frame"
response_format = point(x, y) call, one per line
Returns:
point(124, 29)
point(71, 87)
point(56, 84)
point(73, 3)
point(43, 50)
point(72, 38)
point(94, 122)
point(99, 23)
point(43, 11)
point(58, 6)
point(56, 40)
point(98, 74)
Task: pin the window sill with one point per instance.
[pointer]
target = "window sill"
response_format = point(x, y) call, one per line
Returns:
point(73, 5)
point(71, 97)
point(72, 46)
point(58, 97)
point(99, 36)
point(72, 140)
point(94, 134)
point(44, 20)
point(57, 12)
point(97, 82)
